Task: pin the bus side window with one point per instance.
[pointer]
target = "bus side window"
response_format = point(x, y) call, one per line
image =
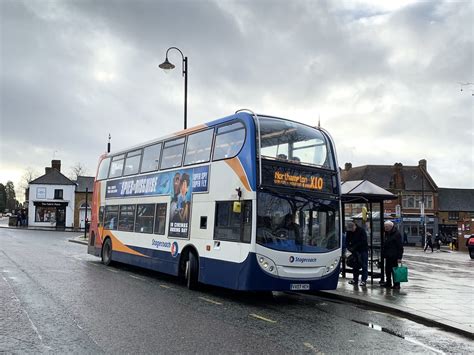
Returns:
point(126, 218)
point(160, 220)
point(111, 217)
point(231, 224)
point(116, 168)
point(144, 218)
point(132, 163)
point(103, 169)
point(100, 222)
point(151, 158)
point(198, 149)
point(172, 153)
point(229, 141)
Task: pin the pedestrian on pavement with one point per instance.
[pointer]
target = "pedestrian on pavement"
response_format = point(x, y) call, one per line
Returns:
point(429, 242)
point(438, 242)
point(405, 237)
point(357, 244)
point(392, 253)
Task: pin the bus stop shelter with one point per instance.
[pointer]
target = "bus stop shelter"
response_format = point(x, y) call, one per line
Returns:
point(365, 192)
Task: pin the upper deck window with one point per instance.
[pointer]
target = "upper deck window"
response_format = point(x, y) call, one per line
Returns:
point(103, 169)
point(229, 140)
point(198, 149)
point(116, 168)
point(172, 153)
point(294, 142)
point(132, 163)
point(151, 158)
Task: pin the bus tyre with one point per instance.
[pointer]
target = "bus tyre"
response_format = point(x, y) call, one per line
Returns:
point(471, 253)
point(107, 252)
point(192, 272)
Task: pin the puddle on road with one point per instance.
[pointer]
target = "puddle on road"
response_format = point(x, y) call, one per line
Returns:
point(393, 332)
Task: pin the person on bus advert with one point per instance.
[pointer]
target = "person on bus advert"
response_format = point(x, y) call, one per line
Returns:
point(182, 203)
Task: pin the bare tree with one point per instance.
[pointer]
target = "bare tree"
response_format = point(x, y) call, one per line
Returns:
point(28, 176)
point(78, 169)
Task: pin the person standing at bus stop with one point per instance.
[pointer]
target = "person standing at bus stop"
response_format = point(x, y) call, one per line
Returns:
point(357, 245)
point(392, 252)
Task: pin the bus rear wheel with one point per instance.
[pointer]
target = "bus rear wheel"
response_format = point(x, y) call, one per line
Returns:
point(107, 252)
point(192, 272)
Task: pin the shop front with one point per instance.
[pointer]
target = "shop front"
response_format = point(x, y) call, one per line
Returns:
point(50, 213)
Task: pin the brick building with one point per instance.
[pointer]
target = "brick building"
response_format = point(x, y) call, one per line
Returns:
point(411, 184)
point(456, 214)
point(83, 184)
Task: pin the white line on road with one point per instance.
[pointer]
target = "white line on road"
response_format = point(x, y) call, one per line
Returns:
point(210, 301)
point(262, 318)
point(137, 277)
point(112, 270)
point(167, 287)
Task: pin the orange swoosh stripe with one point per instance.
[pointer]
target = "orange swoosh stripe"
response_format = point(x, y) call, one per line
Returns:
point(117, 245)
point(235, 164)
point(190, 130)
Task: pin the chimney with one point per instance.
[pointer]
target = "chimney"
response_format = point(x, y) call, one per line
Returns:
point(347, 166)
point(47, 170)
point(398, 180)
point(56, 164)
point(422, 164)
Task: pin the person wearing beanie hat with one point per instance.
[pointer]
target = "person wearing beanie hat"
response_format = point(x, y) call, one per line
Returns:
point(392, 252)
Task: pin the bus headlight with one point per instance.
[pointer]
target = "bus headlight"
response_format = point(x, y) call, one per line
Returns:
point(332, 266)
point(267, 264)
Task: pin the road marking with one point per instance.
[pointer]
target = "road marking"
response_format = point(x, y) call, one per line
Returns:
point(311, 347)
point(137, 277)
point(167, 287)
point(262, 318)
point(110, 269)
point(210, 301)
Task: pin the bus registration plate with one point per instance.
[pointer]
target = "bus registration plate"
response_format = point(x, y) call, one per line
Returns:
point(299, 287)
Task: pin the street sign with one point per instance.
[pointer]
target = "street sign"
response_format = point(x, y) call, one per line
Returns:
point(398, 211)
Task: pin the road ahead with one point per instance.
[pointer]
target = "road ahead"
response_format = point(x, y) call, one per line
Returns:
point(57, 298)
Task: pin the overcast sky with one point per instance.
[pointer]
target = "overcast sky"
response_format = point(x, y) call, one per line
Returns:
point(382, 76)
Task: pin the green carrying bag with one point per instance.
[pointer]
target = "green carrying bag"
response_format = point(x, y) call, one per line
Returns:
point(400, 274)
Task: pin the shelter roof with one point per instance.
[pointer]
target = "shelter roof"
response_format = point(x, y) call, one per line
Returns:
point(364, 191)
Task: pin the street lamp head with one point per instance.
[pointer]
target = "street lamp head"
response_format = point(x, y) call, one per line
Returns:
point(166, 65)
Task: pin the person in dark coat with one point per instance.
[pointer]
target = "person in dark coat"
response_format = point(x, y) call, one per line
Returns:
point(392, 252)
point(429, 242)
point(357, 245)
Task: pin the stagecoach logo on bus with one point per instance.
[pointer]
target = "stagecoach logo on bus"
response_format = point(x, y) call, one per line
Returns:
point(160, 245)
point(157, 184)
point(174, 249)
point(298, 259)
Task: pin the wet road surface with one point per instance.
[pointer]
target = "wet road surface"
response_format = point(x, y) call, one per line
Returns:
point(56, 298)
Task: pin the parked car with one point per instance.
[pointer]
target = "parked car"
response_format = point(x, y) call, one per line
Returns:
point(470, 245)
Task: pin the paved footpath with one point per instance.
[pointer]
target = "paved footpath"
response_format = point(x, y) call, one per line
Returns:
point(440, 290)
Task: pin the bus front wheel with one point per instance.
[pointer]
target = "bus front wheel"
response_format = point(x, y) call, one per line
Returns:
point(107, 252)
point(192, 271)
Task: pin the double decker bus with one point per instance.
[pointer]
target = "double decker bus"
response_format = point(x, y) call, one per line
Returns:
point(245, 202)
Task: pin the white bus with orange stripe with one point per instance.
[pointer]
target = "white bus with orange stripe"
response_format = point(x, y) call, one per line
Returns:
point(246, 202)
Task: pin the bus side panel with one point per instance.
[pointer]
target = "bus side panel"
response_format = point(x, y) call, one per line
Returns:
point(249, 276)
point(161, 261)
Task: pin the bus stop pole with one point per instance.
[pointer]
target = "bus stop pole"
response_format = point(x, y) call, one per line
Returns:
point(382, 236)
point(371, 245)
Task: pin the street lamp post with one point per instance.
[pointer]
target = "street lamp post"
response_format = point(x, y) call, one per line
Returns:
point(166, 65)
